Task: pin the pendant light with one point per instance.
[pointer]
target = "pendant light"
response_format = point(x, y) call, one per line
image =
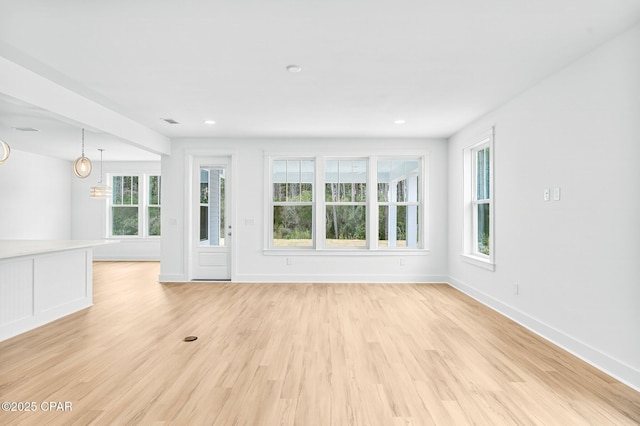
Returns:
point(101, 190)
point(5, 150)
point(82, 165)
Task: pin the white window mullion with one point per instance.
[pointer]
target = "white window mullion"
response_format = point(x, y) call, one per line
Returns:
point(142, 203)
point(372, 204)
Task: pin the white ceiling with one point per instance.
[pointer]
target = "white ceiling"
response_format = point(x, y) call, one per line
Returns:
point(438, 64)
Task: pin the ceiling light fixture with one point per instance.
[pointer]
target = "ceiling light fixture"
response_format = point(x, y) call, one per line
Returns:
point(170, 121)
point(101, 190)
point(294, 68)
point(400, 121)
point(5, 150)
point(82, 165)
point(209, 122)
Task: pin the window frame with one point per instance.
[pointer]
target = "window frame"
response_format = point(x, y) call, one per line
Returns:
point(324, 203)
point(471, 251)
point(371, 206)
point(420, 203)
point(149, 205)
point(143, 205)
point(272, 204)
point(476, 202)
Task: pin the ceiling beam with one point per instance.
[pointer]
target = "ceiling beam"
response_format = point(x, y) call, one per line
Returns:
point(25, 85)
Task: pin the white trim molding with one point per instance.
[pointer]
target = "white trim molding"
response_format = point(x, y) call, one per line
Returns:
point(471, 252)
point(609, 365)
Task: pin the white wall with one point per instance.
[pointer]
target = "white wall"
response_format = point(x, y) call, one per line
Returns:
point(35, 197)
point(251, 263)
point(89, 215)
point(577, 260)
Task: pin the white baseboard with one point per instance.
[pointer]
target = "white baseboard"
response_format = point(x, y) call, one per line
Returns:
point(341, 278)
point(611, 366)
point(29, 323)
point(125, 259)
point(172, 278)
point(328, 278)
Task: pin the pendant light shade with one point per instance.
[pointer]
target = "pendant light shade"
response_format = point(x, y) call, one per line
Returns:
point(5, 150)
point(82, 165)
point(101, 191)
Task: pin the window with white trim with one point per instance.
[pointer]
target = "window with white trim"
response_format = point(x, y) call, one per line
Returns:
point(345, 184)
point(478, 216)
point(358, 203)
point(398, 203)
point(292, 203)
point(134, 208)
point(154, 205)
point(481, 200)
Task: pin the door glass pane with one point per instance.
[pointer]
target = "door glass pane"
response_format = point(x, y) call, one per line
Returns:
point(204, 224)
point(212, 206)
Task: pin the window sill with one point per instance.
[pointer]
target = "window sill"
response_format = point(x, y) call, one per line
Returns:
point(345, 252)
point(479, 262)
point(132, 238)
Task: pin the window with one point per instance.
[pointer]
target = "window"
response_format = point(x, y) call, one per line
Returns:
point(345, 203)
point(478, 226)
point(398, 203)
point(482, 200)
point(292, 203)
point(153, 210)
point(124, 211)
point(135, 206)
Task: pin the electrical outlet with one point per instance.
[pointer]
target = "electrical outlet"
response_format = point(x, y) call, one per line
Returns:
point(289, 261)
point(547, 194)
point(556, 194)
point(516, 290)
point(402, 262)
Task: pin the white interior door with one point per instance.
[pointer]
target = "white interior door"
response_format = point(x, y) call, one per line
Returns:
point(210, 220)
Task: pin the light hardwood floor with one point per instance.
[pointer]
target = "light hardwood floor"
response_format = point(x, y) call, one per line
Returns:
point(306, 354)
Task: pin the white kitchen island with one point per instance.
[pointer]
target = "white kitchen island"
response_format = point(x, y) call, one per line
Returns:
point(41, 281)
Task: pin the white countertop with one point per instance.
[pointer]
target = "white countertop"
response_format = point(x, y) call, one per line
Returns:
point(17, 248)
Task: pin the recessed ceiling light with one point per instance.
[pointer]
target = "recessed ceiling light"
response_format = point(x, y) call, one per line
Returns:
point(209, 122)
point(170, 121)
point(400, 121)
point(294, 68)
point(26, 129)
